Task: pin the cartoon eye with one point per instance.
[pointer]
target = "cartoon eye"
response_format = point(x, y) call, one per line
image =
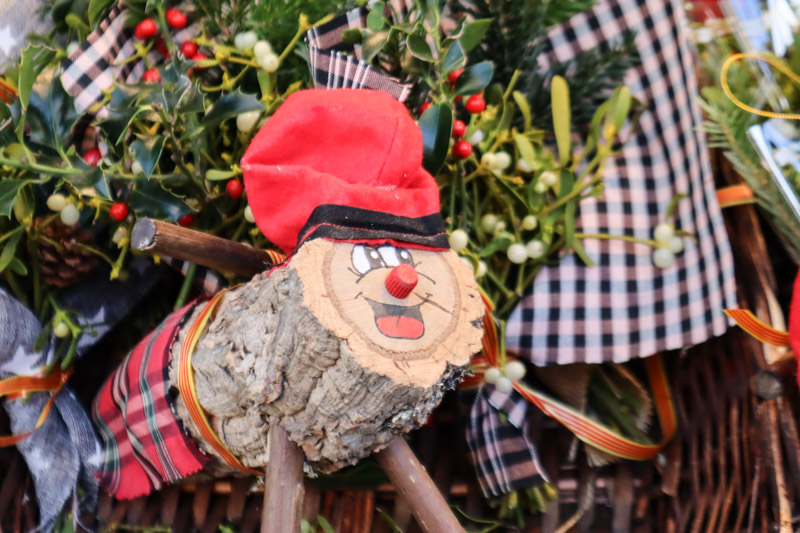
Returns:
point(394, 256)
point(365, 258)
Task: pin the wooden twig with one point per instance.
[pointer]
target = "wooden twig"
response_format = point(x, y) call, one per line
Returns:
point(283, 486)
point(158, 237)
point(416, 487)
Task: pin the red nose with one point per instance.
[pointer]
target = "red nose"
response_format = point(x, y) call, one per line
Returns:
point(401, 281)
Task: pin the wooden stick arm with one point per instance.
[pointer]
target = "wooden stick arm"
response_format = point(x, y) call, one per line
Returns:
point(416, 487)
point(157, 237)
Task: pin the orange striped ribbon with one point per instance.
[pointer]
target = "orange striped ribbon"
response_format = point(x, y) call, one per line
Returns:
point(734, 195)
point(276, 257)
point(758, 329)
point(583, 427)
point(7, 92)
point(20, 386)
point(186, 386)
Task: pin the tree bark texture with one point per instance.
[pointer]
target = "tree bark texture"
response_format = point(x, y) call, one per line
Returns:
point(267, 358)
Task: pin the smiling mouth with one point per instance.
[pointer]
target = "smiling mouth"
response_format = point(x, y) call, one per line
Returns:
point(398, 321)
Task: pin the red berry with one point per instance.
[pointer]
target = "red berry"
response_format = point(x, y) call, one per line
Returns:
point(118, 212)
point(457, 98)
point(186, 220)
point(462, 150)
point(189, 49)
point(234, 189)
point(475, 104)
point(151, 76)
point(175, 18)
point(453, 76)
point(162, 47)
point(145, 29)
point(197, 57)
point(459, 128)
point(92, 157)
point(424, 107)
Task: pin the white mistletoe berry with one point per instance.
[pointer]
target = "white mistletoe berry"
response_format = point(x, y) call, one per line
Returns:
point(515, 370)
point(492, 375)
point(488, 222)
point(504, 385)
point(458, 240)
point(534, 249)
point(675, 245)
point(502, 160)
point(517, 253)
point(663, 258)
point(246, 121)
point(70, 215)
point(530, 222)
point(56, 202)
point(664, 233)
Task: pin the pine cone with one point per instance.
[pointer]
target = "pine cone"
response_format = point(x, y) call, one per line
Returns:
point(69, 264)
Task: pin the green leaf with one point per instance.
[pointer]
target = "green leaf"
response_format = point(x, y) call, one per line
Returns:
point(51, 120)
point(96, 9)
point(454, 59)
point(92, 183)
point(498, 244)
point(26, 75)
point(373, 44)
point(324, 524)
point(116, 124)
point(9, 250)
point(436, 124)
point(419, 47)
point(473, 34)
point(352, 36)
point(559, 92)
point(475, 78)
point(214, 174)
point(9, 189)
point(18, 267)
point(525, 148)
point(618, 107)
point(375, 18)
point(580, 251)
point(524, 108)
point(230, 105)
point(148, 154)
point(149, 199)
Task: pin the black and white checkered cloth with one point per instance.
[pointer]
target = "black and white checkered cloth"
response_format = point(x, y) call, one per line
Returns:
point(625, 307)
point(337, 65)
point(101, 60)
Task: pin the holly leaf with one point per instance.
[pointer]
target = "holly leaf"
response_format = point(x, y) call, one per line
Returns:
point(96, 9)
point(473, 34)
point(148, 153)
point(9, 251)
point(475, 78)
point(51, 120)
point(117, 122)
point(230, 105)
point(26, 75)
point(9, 189)
point(375, 18)
point(436, 124)
point(149, 199)
point(92, 183)
point(454, 59)
point(419, 47)
point(373, 43)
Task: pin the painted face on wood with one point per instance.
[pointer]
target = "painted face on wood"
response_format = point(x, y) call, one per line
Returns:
point(402, 305)
point(409, 322)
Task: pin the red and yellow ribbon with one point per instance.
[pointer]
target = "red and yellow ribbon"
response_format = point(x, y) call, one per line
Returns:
point(584, 428)
point(751, 324)
point(20, 386)
point(734, 195)
point(188, 391)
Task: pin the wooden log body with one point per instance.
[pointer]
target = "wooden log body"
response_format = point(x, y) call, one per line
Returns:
point(322, 348)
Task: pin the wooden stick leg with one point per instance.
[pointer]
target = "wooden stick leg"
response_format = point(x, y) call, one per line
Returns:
point(283, 486)
point(415, 485)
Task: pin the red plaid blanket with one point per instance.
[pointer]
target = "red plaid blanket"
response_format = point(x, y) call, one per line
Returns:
point(144, 445)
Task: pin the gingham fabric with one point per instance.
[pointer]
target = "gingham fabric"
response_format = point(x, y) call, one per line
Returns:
point(336, 65)
point(625, 307)
point(100, 61)
point(503, 456)
point(144, 444)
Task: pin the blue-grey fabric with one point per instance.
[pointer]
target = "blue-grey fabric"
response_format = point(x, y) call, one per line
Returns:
point(64, 453)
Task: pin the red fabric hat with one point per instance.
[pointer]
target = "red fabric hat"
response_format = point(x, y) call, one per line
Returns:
point(344, 147)
point(794, 321)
